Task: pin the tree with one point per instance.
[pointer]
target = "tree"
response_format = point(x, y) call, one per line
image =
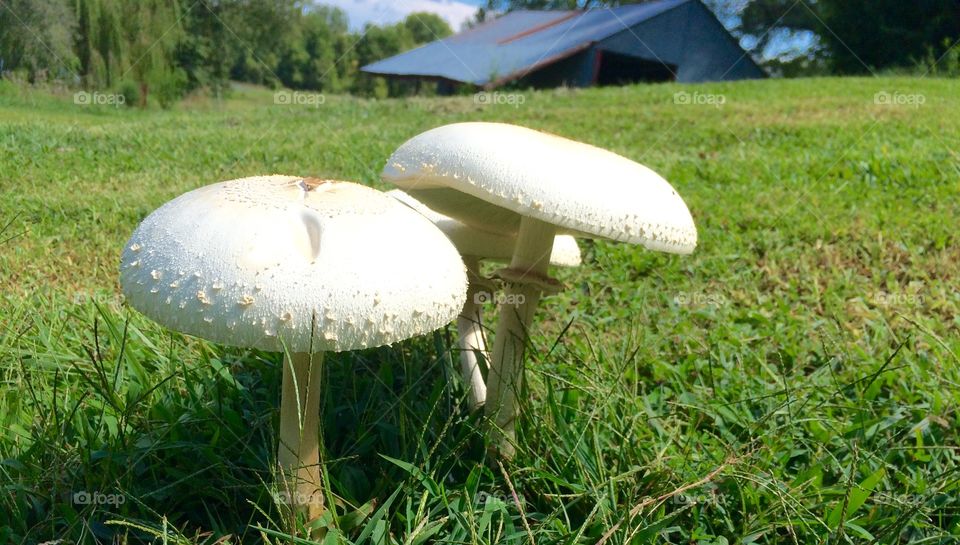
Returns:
point(376, 43)
point(381, 42)
point(426, 27)
point(152, 30)
point(898, 34)
point(36, 36)
point(318, 57)
point(159, 49)
point(257, 39)
point(207, 49)
point(99, 41)
point(510, 5)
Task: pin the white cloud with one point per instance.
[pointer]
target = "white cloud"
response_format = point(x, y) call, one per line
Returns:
point(380, 12)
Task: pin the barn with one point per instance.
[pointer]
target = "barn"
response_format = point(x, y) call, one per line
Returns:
point(660, 40)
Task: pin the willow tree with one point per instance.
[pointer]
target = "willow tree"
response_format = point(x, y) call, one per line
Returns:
point(151, 31)
point(99, 41)
point(36, 37)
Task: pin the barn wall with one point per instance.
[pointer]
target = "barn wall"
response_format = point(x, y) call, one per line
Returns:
point(573, 71)
point(691, 38)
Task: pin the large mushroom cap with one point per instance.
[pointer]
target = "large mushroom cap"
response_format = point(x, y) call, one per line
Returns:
point(488, 175)
point(274, 261)
point(472, 242)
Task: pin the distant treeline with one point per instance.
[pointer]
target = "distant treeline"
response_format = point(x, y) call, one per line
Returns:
point(820, 37)
point(159, 50)
point(162, 49)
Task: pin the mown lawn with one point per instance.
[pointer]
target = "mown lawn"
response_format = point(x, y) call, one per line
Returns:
point(796, 380)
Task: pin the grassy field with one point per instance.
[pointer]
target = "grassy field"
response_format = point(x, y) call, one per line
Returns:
point(795, 380)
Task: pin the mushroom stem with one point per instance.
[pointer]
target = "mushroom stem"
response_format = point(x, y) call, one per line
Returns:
point(299, 450)
point(531, 258)
point(470, 332)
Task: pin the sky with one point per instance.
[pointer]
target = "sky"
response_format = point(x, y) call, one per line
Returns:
point(379, 12)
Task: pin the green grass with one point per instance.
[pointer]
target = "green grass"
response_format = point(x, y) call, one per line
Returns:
point(796, 380)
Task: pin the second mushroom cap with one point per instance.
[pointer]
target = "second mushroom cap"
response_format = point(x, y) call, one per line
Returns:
point(489, 175)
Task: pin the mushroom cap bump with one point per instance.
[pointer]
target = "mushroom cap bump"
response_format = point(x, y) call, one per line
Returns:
point(473, 242)
point(488, 175)
point(282, 261)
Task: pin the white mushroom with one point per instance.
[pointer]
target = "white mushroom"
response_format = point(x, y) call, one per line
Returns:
point(298, 265)
point(476, 245)
point(513, 180)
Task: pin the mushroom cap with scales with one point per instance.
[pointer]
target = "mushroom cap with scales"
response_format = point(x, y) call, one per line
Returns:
point(479, 244)
point(489, 175)
point(274, 262)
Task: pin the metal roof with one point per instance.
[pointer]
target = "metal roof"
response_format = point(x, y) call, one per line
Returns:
point(516, 43)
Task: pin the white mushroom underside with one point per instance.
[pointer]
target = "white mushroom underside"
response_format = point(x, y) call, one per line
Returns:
point(514, 171)
point(273, 261)
point(482, 244)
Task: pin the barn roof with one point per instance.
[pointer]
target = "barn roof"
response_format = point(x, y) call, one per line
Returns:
point(517, 43)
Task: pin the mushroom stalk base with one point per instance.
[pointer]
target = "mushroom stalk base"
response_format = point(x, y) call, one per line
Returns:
point(531, 258)
point(472, 344)
point(299, 450)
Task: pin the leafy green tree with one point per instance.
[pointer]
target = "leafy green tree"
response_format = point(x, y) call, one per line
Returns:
point(318, 56)
point(207, 49)
point(99, 41)
point(509, 5)
point(159, 49)
point(37, 36)
point(376, 43)
point(776, 23)
point(380, 42)
point(328, 45)
point(152, 30)
point(898, 34)
point(426, 27)
point(260, 32)
point(855, 36)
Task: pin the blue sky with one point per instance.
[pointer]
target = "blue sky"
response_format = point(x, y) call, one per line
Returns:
point(391, 11)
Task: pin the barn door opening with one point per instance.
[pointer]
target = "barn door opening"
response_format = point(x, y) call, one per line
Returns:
point(617, 69)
